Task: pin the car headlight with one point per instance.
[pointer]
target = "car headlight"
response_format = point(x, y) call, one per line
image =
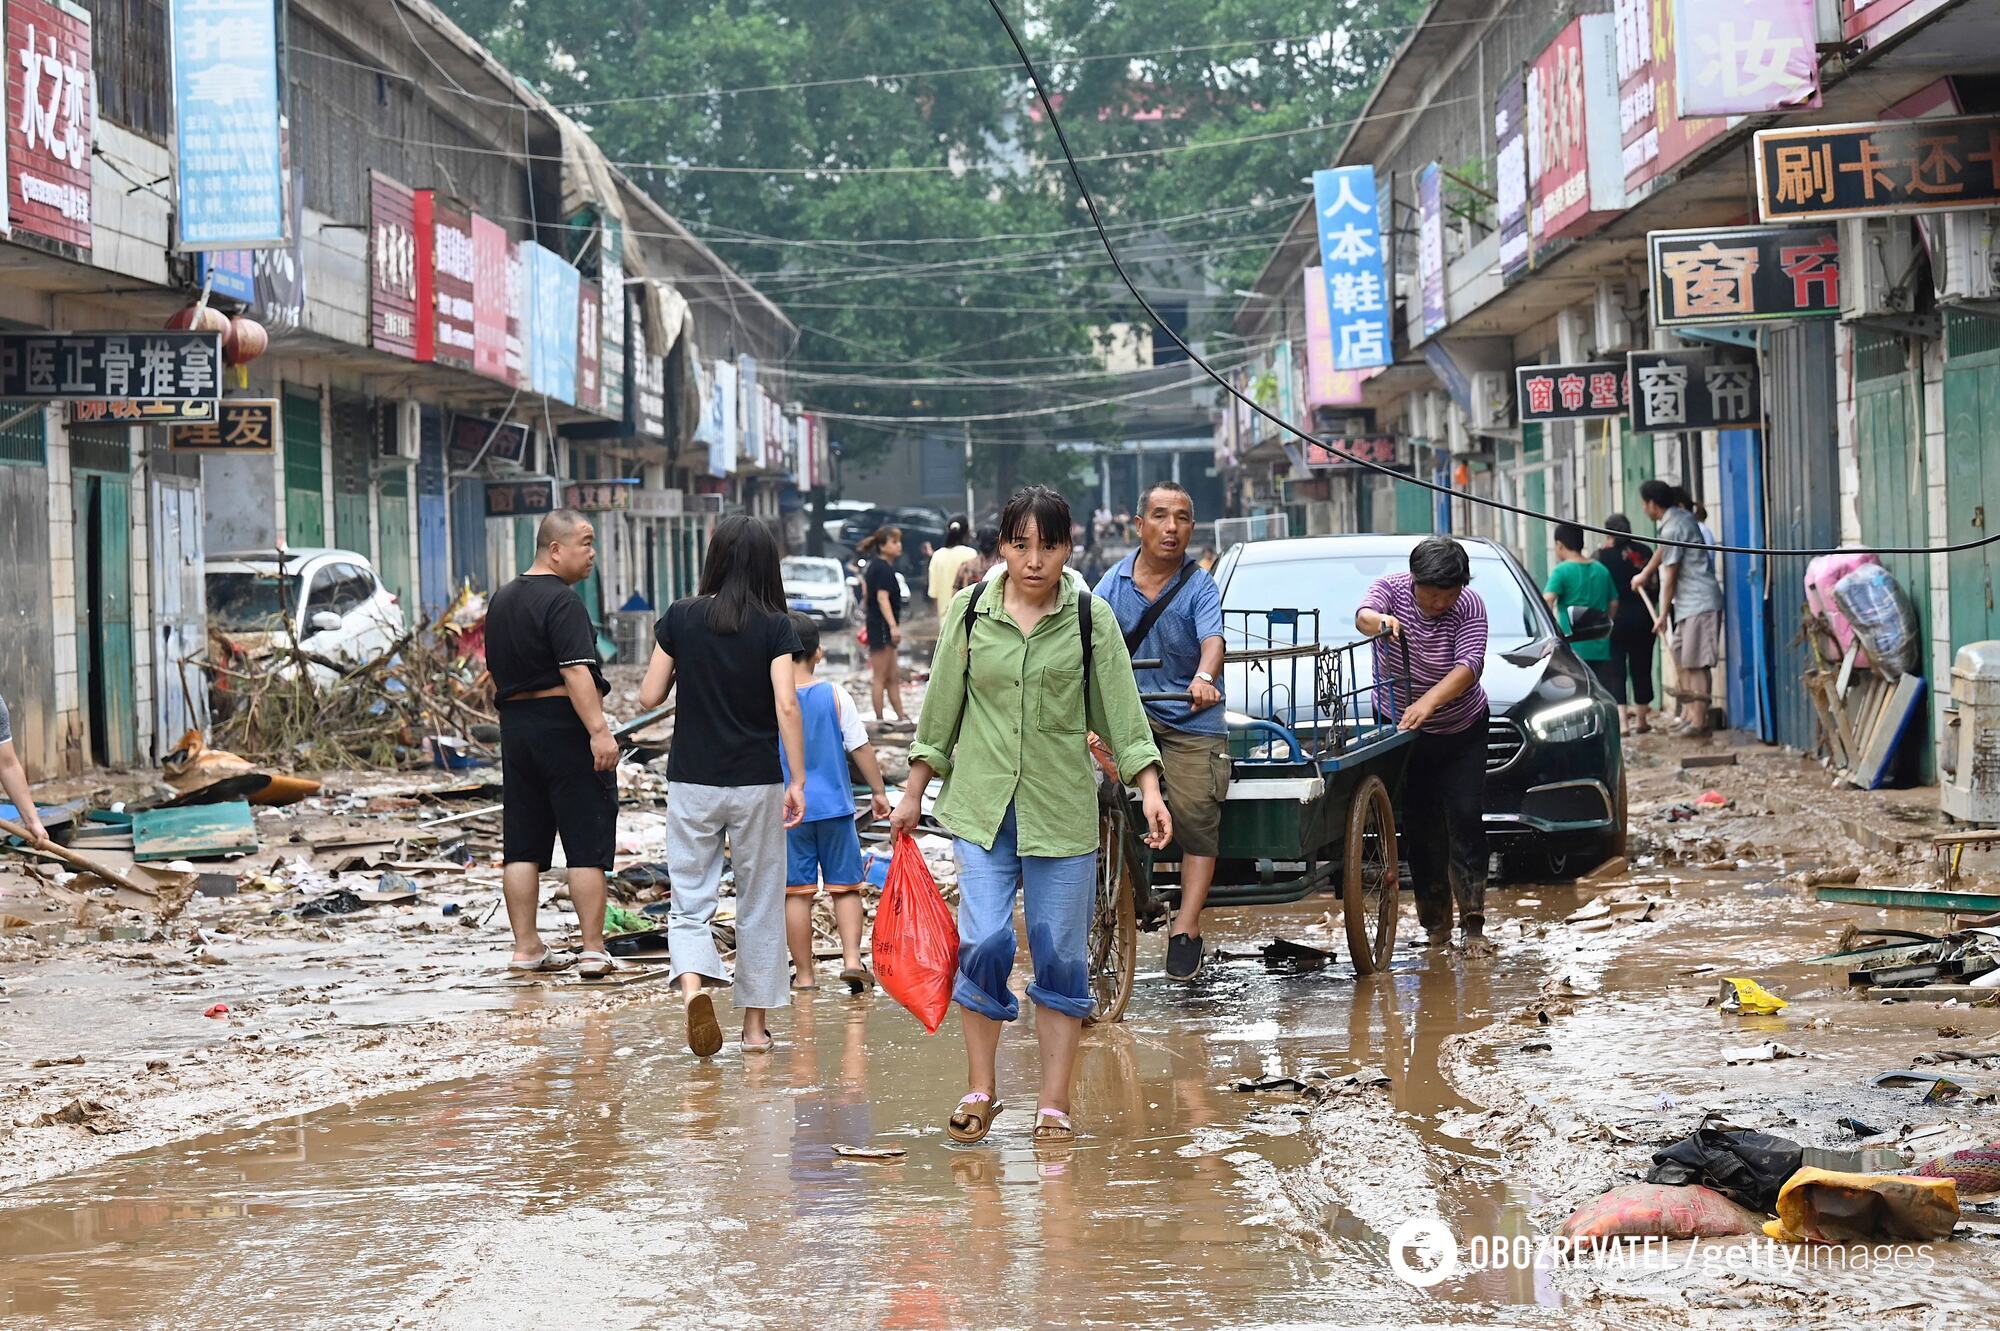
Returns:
point(1576, 719)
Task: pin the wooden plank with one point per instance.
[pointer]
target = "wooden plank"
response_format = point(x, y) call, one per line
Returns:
point(1892, 721)
point(1911, 898)
point(1818, 690)
point(202, 831)
point(1983, 836)
point(1933, 993)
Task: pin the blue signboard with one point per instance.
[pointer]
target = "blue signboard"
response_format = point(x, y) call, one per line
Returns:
point(228, 273)
point(554, 288)
point(1357, 284)
point(229, 168)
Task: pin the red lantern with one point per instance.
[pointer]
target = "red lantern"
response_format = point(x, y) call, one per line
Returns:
point(244, 341)
point(200, 318)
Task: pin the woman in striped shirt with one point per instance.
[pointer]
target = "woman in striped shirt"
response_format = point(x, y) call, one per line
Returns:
point(1442, 621)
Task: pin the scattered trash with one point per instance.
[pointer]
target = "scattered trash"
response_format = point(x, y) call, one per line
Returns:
point(1283, 953)
point(1746, 995)
point(1746, 1167)
point(1647, 1210)
point(1538, 1047)
point(1713, 799)
point(1847, 873)
point(1975, 1169)
point(1857, 1127)
point(1250, 1085)
point(1936, 1089)
point(1766, 1052)
point(77, 1113)
point(73, 1061)
point(204, 831)
point(1691, 761)
point(1820, 1206)
point(216, 1010)
point(870, 1152)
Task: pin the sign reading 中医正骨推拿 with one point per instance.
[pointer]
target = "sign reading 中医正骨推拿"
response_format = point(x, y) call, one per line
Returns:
point(1744, 274)
point(241, 425)
point(1878, 168)
point(174, 365)
point(1707, 388)
point(1583, 392)
point(1351, 260)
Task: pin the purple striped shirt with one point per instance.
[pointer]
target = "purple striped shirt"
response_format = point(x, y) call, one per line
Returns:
point(1437, 646)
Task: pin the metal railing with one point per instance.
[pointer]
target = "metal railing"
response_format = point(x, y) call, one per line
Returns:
point(1293, 698)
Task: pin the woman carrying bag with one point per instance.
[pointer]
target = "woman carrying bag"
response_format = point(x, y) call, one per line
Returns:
point(1019, 682)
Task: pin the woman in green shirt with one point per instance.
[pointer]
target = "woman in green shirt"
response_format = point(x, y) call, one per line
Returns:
point(1006, 722)
point(1581, 583)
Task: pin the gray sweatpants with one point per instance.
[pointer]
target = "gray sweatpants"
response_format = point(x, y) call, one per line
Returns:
point(753, 820)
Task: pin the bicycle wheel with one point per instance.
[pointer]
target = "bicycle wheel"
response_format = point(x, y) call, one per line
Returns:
point(1370, 893)
point(1114, 925)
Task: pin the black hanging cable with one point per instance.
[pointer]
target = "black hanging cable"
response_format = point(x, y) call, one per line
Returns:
point(1111, 252)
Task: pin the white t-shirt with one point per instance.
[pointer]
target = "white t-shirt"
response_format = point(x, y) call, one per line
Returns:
point(853, 735)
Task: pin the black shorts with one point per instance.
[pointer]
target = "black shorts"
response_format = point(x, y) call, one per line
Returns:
point(549, 785)
point(1611, 674)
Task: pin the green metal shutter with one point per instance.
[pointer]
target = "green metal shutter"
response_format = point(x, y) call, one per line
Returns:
point(1972, 453)
point(305, 485)
point(1894, 488)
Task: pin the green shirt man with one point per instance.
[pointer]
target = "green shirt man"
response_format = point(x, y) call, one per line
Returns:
point(1579, 580)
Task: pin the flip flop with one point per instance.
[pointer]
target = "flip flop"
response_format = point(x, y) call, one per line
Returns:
point(594, 965)
point(973, 1119)
point(549, 960)
point(858, 979)
point(764, 1046)
point(703, 1033)
point(1053, 1128)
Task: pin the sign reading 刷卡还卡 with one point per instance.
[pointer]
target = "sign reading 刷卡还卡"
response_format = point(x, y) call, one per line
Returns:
point(1570, 392)
point(1730, 275)
point(1350, 249)
point(1878, 168)
point(242, 425)
point(175, 365)
point(1709, 388)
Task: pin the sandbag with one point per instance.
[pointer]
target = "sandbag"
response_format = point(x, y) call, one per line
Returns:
point(1875, 603)
point(1820, 1206)
point(1640, 1210)
point(1746, 1167)
point(1976, 1169)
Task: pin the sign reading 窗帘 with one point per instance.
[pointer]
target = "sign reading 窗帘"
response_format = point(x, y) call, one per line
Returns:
point(51, 120)
point(229, 172)
point(177, 366)
point(1704, 389)
point(1730, 275)
point(242, 425)
point(517, 499)
point(1350, 249)
point(1584, 392)
point(1878, 168)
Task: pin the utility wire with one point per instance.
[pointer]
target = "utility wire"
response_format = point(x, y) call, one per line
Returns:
point(1090, 206)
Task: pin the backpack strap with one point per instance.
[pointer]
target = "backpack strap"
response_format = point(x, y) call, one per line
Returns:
point(1144, 625)
point(1085, 626)
point(1085, 623)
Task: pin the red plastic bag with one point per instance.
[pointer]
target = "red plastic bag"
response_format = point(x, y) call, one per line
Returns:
point(916, 939)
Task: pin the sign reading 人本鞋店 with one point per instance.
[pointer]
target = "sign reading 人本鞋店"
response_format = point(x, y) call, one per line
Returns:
point(1742, 274)
point(176, 366)
point(1705, 389)
point(1878, 168)
point(1350, 251)
point(243, 425)
point(1570, 392)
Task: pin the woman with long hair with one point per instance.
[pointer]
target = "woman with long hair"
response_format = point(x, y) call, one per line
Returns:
point(1631, 626)
point(883, 596)
point(729, 647)
point(1019, 681)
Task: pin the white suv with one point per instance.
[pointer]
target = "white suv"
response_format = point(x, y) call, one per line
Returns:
point(329, 601)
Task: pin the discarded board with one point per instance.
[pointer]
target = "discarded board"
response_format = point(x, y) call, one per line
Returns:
point(205, 831)
point(1891, 720)
point(1690, 761)
point(1910, 898)
point(1934, 993)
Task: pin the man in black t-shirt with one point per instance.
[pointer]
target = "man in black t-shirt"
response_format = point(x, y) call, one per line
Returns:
point(556, 748)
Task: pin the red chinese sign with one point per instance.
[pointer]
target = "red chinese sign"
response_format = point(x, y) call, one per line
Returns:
point(517, 316)
point(1879, 20)
point(1570, 392)
point(454, 283)
point(1653, 139)
point(392, 262)
point(1574, 179)
point(489, 298)
point(425, 229)
point(589, 341)
point(1355, 450)
point(51, 121)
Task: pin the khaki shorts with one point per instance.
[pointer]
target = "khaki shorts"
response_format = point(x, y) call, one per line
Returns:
point(1697, 640)
point(1197, 779)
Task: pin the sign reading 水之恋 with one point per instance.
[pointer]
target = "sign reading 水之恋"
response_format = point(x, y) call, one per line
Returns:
point(1705, 389)
point(1583, 392)
point(1878, 168)
point(51, 120)
point(1350, 250)
point(242, 425)
point(172, 365)
point(1729, 275)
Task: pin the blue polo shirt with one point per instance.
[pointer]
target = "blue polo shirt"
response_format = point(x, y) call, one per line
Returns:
point(1174, 641)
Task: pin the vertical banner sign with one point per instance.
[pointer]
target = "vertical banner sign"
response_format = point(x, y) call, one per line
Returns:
point(51, 120)
point(649, 377)
point(1575, 162)
point(1325, 386)
point(558, 289)
point(1709, 389)
point(1638, 131)
point(392, 262)
point(724, 391)
point(1746, 56)
point(489, 298)
point(1744, 274)
point(1430, 246)
point(425, 218)
point(611, 294)
point(453, 281)
point(281, 269)
point(589, 363)
point(518, 305)
point(1350, 250)
point(1510, 135)
point(229, 171)
point(750, 411)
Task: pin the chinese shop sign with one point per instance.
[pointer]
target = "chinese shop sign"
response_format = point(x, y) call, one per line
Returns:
point(489, 299)
point(1570, 392)
point(1879, 168)
point(469, 434)
point(519, 499)
point(1430, 246)
point(1742, 274)
point(1744, 56)
point(589, 351)
point(611, 296)
point(392, 261)
point(597, 496)
point(1576, 177)
point(168, 366)
point(1653, 137)
point(1706, 389)
point(453, 287)
point(555, 293)
point(1350, 249)
point(1510, 134)
point(1354, 451)
point(1325, 386)
point(51, 118)
point(229, 175)
point(520, 295)
point(242, 425)
point(135, 411)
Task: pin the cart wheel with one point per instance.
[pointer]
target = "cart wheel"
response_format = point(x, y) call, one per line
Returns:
point(1114, 927)
point(1370, 892)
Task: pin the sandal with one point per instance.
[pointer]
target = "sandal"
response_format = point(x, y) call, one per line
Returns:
point(703, 1033)
point(549, 960)
point(857, 979)
point(764, 1046)
point(973, 1118)
point(1053, 1128)
point(594, 965)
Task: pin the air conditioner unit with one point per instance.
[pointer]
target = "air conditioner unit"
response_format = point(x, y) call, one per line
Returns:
point(1971, 257)
point(1492, 400)
point(1613, 332)
point(654, 476)
point(409, 432)
point(1878, 267)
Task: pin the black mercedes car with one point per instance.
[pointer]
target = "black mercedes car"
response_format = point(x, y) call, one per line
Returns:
point(1555, 770)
